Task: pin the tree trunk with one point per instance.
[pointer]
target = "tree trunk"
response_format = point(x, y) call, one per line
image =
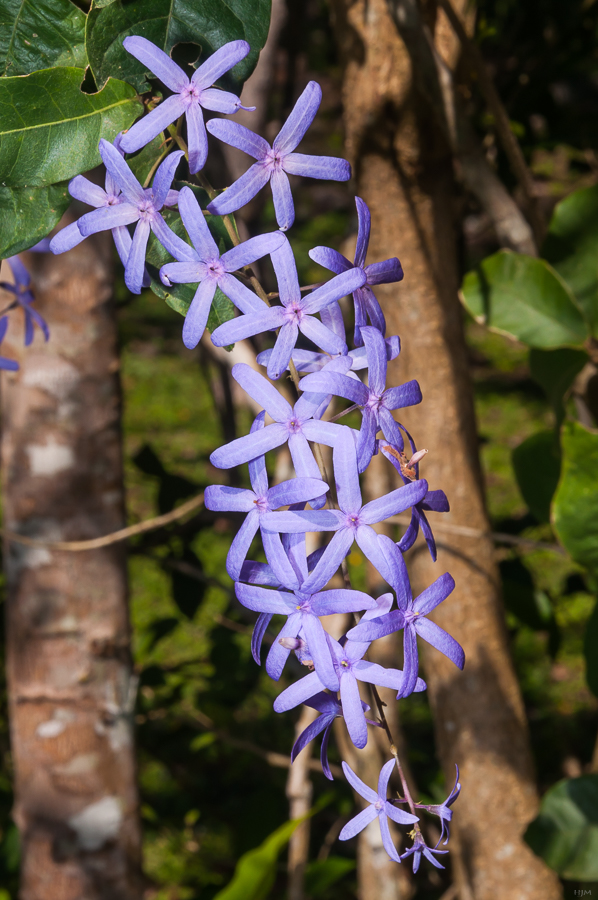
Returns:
point(403, 170)
point(71, 689)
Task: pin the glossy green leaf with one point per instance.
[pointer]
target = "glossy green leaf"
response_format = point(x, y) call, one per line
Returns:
point(179, 296)
point(256, 870)
point(590, 650)
point(29, 214)
point(537, 466)
point(38, 34)
point(529, 605)
point(575, 506)
point(524, 298)
point(571, 247)
point(555, 371)
point(207, 23)
point(565, 832)
point(49, 129)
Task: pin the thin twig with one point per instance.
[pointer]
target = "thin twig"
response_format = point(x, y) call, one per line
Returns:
point(115, 537)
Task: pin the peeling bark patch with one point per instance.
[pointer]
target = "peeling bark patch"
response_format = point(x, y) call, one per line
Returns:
point(97, 823)
point(50, 458)
point(56, 725)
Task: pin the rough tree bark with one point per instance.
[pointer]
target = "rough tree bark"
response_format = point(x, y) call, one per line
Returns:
point(403, 170)
point(71, 689)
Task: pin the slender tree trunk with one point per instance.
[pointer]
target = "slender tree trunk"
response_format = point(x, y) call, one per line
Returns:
point(71, 690)
point(404, 172)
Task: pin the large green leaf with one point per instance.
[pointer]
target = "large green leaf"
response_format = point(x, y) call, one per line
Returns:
point(38, 34)
point(207, 23)
point(565, 832)
point(537, 466)
point(256, 870)
point(49, 129)
point(524, 298)
point(29, 214)
point(571, 247)
point(555, 372)
point(575, 506)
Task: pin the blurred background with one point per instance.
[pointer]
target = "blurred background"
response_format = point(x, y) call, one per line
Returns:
point(212, 756)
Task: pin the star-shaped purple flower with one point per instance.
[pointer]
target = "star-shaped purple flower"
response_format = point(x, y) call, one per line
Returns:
point(379, 807)
point(443, 810)
point(273, 162)
point(308, 361)
point(411, 616)
point(188, 98)
point(295, 315)
point(434, 501)
point(10, 364)
point(330, 709)
point(303, 608)
point(420, 847)
point(387, 272)
point(350, 668)
point(21, 289)
point(93, 195)
point(294, 424)
point(375, 401)
point(353, 520)
point(136, 205)
point(205, 265)
point(261, 499)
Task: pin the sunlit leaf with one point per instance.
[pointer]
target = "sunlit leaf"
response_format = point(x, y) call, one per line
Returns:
point(537, 466)
point(524, 298)
point(37, 34)
point(575, 507)
point(49, 129)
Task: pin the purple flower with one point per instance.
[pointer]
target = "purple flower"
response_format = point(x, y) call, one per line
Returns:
point(419, 847)
point(411, 616)
point(366, 305)
point(295, 315)
point(330, 709)
point(255, 503)
point(379, 807)
point(10, 364)
point(93, 195)
point(435, 501)
point(273, 162)
point(303, 609)
point(24, 298)
point(375, 401)
point(353, 520)
point(349, 667)
point(189, 96)
point(292, 424)
point(205, 265)
point(443, 809)
point(135, 205)
point(308, 361)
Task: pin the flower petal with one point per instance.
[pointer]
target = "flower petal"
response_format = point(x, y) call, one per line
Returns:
point(240, 137)
point(330, 168)
point(240, 545)
point(358, 785)
point(345, 472)
point(386, 272)
point(197, 314)
point(251, 250)
point(87, 192)
point(220, 62)
point(255, 322)
point(164, 176)
point(135, 268)
point(242, 191)
point(298, 693)
point(330, 259)
point(395, 502)
point(220, 101)
point(257, 637)
point(386, 838)
point(221, 497)
point(283, 199)
point(358, 823)
point(438, 637)
point(262, 392)
point(248, 447)
point(196, 225)
point(337, 287)
point(301, 117)
point(284, 346)
point(66, 239)
point(107, 217)
point(120, 172)
point(157, 62)
point(376, 353)
point(363, 231)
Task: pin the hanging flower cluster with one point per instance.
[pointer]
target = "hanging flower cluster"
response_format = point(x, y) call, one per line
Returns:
point(291, 584)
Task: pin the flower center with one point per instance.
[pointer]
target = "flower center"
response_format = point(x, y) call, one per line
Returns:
point(146, 209)
point(112, 200)
point(294, 425)
point(214, 268)
point(353, 521)
point(294, 313)
point(374, 402)
point(379, 805)
point(274, 159)
point(190, 94)
point(262, 504)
